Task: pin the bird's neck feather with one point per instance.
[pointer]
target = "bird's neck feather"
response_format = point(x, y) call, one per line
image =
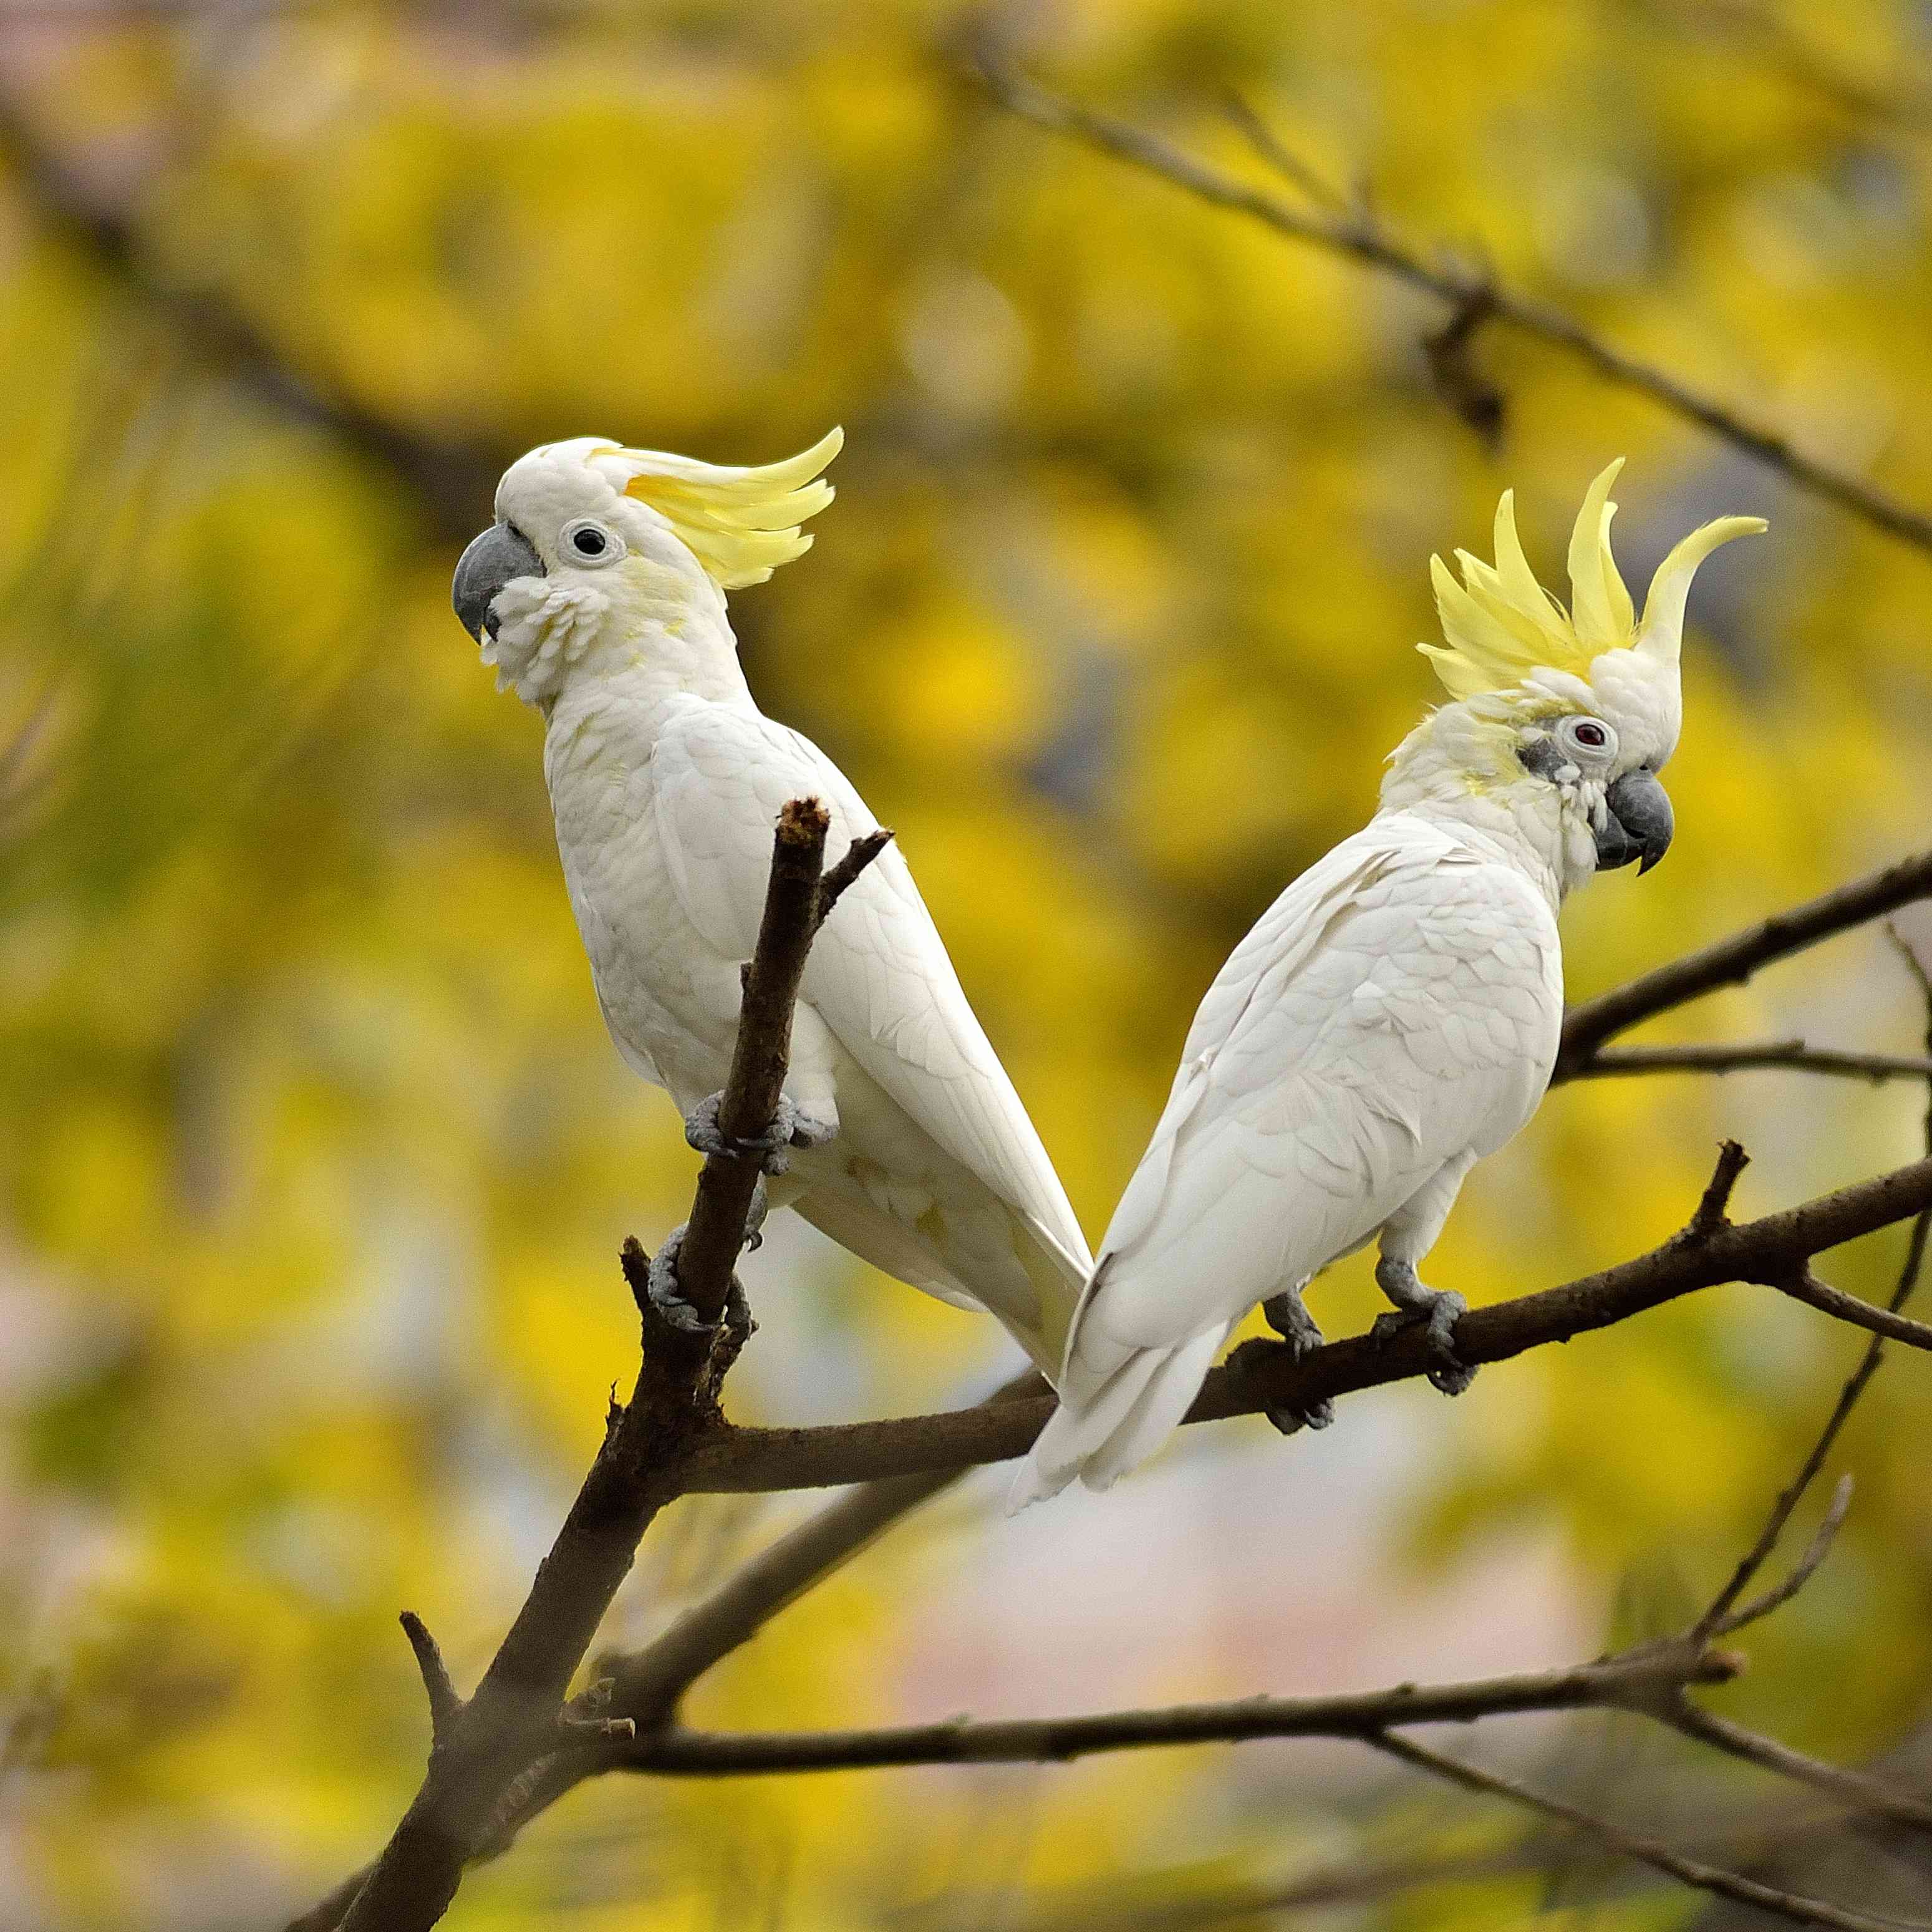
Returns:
point(1459, 769)
point(560, 641)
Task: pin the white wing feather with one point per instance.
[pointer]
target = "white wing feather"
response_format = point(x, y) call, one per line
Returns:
point(878, 975)
point(1396, 1008)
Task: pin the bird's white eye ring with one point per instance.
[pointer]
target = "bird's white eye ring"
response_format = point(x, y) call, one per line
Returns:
point(589, 543)
point(1589, 737)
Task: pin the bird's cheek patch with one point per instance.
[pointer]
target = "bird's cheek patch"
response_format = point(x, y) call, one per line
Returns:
point(541, 631)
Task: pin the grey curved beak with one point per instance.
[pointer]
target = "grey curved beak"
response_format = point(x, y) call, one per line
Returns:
point(1640, 823)
point(492, 560)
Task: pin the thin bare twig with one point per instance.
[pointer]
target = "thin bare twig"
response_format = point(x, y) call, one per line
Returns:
point(1631, 1682)
point(1266, 141)
point(1854, 1788)
point(445, 1705)
point(1807, 1566)
point(1652, 1851)
point(1720, 1615)
point(1733, 961)
point(1794, 1054)
point(1803, 1286)
point(1360, 236)
point(858, 856)
point(1712, 1214)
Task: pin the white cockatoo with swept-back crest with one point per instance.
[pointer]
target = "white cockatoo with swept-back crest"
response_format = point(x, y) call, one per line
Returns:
point(599, 596)
point(1394, 1016)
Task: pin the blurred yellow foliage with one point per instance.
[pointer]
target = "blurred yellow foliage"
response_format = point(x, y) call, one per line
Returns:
point(315, 1156)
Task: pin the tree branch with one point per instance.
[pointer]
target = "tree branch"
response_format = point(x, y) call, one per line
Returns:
point(516, 1715)
point(1854, 1788)
point(1359, 235)
point(914, 1458)
point(1631, 1682)
point(1650, 1680)
point(1713, 1213)
point(1793, 1054)
point(1803, 1286)
point(746, 1459)
point(715, 1232)
point(859, 855)
point(1732, 961)
point(449, 478)
point(1721, 1616)
point(445, 1705)
point(647, 1685)
point(1721, 1620)
point(1652, 1851)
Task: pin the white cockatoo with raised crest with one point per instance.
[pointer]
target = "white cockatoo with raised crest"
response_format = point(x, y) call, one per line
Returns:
point(599, 596)
point(1395, 1014)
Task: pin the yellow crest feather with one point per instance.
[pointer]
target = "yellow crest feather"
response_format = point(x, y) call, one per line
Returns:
point(1499, 626)
point(740, 524)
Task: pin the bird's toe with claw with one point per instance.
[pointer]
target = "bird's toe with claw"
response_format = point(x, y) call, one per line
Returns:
point(788, 1127)
point(1439, 1308)
point(660, 1283)
point(667, 1294)
point(1301, 1337)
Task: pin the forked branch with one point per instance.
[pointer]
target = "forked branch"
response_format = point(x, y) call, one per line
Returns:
point(1267, 1376)
point(518, 1717)
point(633, 1726)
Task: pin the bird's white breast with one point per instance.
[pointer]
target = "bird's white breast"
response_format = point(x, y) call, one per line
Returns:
point(671, 1002)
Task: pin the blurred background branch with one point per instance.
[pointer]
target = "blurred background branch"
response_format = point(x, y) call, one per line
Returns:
point(449, 480)
point(313, 1149)
point(1475, 297)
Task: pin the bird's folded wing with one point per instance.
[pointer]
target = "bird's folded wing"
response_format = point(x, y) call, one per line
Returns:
point(1387, 1012)
point(1277, 947)
point(878, 974)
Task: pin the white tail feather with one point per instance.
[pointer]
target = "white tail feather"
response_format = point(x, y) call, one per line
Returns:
point(1124, 1420)
point(1169, 1394)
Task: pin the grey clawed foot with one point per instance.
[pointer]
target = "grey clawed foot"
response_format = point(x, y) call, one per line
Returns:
point(1292, 1322)
point(661, 1284)
point(789, 1128)
point(755, 1217)
point(808, 1130)
point(667, 1297)
point(1439, 1308)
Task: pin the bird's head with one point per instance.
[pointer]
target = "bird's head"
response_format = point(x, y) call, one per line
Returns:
point(1562, 718)
point(593, 542)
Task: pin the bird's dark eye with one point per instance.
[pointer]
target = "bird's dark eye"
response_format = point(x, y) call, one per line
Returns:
point(589, 541)
point(1586, 738)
